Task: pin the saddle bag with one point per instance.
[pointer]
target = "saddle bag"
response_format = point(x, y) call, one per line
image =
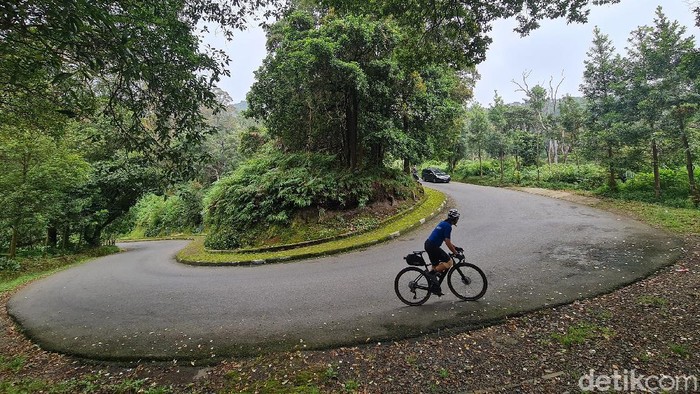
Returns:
point(415, 258)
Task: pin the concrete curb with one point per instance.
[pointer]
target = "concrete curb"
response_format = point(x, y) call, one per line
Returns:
point(309, 255)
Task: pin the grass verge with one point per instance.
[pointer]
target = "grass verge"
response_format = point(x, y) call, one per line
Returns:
point(678, 220)
point(39, 267)
point(195, 252)
point(682, 221)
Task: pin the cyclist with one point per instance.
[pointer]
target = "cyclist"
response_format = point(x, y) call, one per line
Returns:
point(440, 260)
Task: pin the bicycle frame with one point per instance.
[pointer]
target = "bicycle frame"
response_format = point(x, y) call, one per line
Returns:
point(461, 277)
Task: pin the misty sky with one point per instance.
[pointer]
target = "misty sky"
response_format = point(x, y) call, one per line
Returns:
point(553, 49)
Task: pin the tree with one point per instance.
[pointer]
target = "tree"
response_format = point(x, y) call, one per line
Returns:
point(479, 129)
point(37, 170)
point(600, 78)
point(455, 33)
point(500, 140)
point(334, 85)
point(656, 81)
point(571, 118)
point(520, 121)
point(143, 58)
point(538, 101)
point(437, 127)
point(316, 79)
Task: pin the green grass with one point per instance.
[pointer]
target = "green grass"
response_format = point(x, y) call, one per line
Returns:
point(39, 267)
point(195, 251)
point(14, 364)
point(677, 220)
point(580, 333)
point(680, 350)
point(652, 301)
point(87, 384)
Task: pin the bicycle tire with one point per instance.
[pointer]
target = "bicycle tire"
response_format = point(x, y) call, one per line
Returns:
point(411, 286)
point(467, 281)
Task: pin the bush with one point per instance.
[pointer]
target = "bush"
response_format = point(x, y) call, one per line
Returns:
point(272, 189)
point(155, 215)
point(674, 188)
point(585, 176)
point(470, 168)
point(434, 164)
point(567, 176)
point(8, 264)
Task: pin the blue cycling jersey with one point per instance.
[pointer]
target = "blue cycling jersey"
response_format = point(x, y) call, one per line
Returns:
point(442, 231)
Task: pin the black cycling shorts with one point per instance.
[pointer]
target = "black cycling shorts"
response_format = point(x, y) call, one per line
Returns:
point(436, 254)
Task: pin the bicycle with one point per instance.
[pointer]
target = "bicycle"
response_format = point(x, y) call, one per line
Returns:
point(465, 280)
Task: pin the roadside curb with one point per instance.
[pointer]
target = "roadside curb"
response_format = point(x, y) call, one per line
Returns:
point(330, 252)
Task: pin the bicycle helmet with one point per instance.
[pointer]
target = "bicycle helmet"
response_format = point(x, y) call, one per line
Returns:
point(453, 214)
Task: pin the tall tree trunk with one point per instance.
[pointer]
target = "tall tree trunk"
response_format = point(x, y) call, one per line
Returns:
point(655, 162)
point(377, 154)
point(481, 168)
point(93, 235)
point(612, 181)
point(406, 166)
point(51, 236)
point(65, 237)
point(694, 192)
point(501, 160)
point(13, 243)
point(351, 130)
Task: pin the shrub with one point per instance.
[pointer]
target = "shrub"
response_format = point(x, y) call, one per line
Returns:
point(273, 188)
point(434, 164)
point(469, 168)
point(8, 264)
point(585, 176)
point(674, 188)
point(155, 215)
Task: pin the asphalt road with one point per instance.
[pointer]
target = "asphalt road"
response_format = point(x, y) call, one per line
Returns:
point(142, 304)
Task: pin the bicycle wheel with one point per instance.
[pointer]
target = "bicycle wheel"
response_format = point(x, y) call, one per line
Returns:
point(411, 286)
point(467, 281)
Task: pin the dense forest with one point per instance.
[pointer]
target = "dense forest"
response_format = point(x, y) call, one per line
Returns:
point(111, 123)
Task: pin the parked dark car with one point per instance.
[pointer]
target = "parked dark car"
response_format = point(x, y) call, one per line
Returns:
point(434, 175)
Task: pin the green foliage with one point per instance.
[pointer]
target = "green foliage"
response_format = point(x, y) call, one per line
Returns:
point(155, 215)
point(561, 176)
point(455, 33)
point(8, 264)
point(336, 85)
point(583, 177)
point(470, 168)
point(195, 252)
point(681, 350)
point(38, 171)
point(141, 65)
point(674, 188)
point(273, 188)
point(434, 164)
point(577, 334)
point(528, 147)
point(14, 364)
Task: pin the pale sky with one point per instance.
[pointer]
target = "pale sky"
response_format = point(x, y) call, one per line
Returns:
point(552, 49)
